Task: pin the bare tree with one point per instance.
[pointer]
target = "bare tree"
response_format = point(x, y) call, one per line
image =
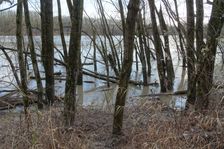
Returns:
point(62, 31)
point(168, 58)
point(191, 94)
point(73, 65)
point(19, 41)
point(159, 51)
point(33, 54)
point(133, 8)
point(207, 62)
point(48, 47)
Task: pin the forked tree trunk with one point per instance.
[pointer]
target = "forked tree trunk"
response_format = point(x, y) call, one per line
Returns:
point(48, 47)
point(207, 63)
point(33, 55)
point(133, 8)
point(70, 4)
point(22, 66)
point(158, 47)
point(190, 53)
point(73, 62)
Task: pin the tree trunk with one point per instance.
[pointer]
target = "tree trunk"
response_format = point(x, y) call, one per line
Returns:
point(22, 66)
point(199, 27)
point(190, 52)
point(48, 47)
point(73, 62)
point(142, 50)
point(33, 55)
point(180, 36)
point(62, 31)
point(133, 8)
point(168, 58)
point(207, 63)
point(158, 47)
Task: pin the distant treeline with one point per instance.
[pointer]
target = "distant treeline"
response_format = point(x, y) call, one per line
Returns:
point(8, 25)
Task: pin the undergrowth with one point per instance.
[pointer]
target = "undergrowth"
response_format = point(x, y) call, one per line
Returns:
point(146, 125)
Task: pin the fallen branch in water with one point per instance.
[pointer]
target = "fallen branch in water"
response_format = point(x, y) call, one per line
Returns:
point(164, 94)
point(112, 78)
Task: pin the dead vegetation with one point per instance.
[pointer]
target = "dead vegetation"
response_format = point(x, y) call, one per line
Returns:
point(150, 124)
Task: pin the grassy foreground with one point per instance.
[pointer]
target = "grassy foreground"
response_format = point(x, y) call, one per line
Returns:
point(146, 125)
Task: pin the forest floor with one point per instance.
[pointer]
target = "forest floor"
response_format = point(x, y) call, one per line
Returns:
point(149, 124)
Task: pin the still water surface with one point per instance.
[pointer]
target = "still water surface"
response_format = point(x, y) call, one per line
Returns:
point(97, 94)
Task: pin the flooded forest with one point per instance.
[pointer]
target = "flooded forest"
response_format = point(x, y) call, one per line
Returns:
point(111, 74)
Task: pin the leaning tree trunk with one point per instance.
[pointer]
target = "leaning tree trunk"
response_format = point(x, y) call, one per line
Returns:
point(158, 47)
point(191, 94)
point(48, 47)
point(142, 54)
point(133, 8)
point(73, 62)
point(22, 66)
point(207, 63)
point(180, 36)
point(33, 55)
point(168, 58)
point(62, 31)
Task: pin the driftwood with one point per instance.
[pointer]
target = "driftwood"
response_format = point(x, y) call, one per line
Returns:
point(165, 94)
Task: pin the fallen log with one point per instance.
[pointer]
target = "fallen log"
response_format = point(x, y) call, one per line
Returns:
point(111, 79)
point(164, 94)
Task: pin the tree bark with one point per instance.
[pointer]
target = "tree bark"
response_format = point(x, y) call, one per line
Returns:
point(168, 57)
point(190, 53)
point(48, 47)
point(22, 66)
point(207, 63)
point(133, 8)
point(62, 31)
point(73, 62)
point(33, 55)
point(142, 54)
point(158, 47)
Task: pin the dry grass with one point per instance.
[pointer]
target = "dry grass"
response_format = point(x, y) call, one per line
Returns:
point(146, 125)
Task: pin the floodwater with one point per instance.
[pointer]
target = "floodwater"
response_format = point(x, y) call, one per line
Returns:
point(94, 92)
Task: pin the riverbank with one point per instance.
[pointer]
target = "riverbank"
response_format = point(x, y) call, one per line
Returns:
point(148, 124)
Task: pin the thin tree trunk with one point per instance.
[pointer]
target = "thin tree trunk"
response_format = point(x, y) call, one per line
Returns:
point(142, 51)
point(62, 31)
point(73, 62)
point(22, 66)
point(190, 53)
point(122, 16)
point(168, 57)
point(33, 55)
point(183, 53)
point(158, 47)
point(133, 8)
